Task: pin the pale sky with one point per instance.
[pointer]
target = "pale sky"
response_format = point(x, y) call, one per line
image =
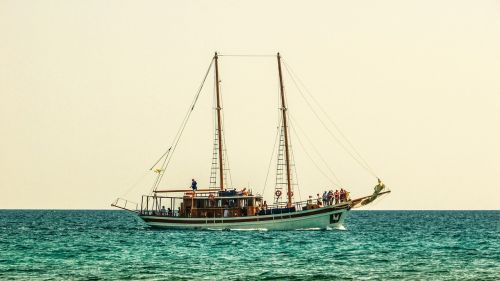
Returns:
point(93, 92)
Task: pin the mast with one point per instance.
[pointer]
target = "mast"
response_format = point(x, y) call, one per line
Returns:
point(219, 123)
point(285, 130)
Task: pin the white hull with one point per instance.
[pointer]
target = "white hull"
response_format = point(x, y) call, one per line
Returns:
point(322, 218)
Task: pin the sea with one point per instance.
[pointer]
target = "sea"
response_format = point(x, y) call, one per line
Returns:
point(372, 245)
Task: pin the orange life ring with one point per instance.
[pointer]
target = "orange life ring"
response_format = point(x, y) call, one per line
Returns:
point(278, 193)
point(291, 193)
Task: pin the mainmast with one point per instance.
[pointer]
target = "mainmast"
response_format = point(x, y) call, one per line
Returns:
point(219, 122)
point(285, 131)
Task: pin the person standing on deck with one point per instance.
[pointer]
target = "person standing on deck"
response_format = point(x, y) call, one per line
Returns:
point(194, 185)
point(337, 196)
point(325, 198)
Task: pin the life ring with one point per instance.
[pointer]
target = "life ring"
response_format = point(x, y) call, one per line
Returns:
point(211, 197)
point(278, 193)
point(291, 193)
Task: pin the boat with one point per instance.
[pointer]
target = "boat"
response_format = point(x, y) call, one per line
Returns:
point(221, 206)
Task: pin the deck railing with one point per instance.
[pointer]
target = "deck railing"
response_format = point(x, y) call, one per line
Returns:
point(160, 205)
point(125, 205)
point(298, 205)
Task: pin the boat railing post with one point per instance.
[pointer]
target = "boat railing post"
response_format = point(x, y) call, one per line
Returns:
point(150, 208)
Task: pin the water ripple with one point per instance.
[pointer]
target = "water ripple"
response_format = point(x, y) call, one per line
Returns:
point(115, 245)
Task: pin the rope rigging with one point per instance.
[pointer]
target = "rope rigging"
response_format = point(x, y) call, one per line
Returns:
point(227, 168)
point(272, 155)
point(312, 160)
point(167, 156)
point(337, 182)
point(286, 179)
point(339, 138)
point(294, 167)
point(349, 149)
point(164, 154)
point(135, 184)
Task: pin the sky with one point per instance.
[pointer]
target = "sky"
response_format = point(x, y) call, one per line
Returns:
point(92, 93)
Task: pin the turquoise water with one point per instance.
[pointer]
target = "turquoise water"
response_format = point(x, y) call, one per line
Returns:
point(376, 245)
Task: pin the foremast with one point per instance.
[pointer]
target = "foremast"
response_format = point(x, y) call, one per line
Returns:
point(219, 122)
point(285, 132)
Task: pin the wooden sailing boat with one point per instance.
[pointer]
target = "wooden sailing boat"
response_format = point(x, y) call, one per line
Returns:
point(225, 207)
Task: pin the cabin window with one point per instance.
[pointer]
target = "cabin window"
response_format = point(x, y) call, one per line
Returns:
point(199, 203)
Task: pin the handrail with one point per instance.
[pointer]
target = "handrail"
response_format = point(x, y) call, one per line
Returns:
point(299, 204)
point(184, 190)
point(168, 197)
point(122, 203)
point(206, 195)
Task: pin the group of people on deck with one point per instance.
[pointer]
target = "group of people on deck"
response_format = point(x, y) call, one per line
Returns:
point(333, 198)
point(166, 212)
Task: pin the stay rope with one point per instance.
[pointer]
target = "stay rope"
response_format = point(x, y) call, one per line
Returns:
point(225, 150)
point(278, 127)
point(349, 149)
point(167, 156)
point(337, 182)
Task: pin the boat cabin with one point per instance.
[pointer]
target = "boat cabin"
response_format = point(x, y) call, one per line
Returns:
point(203, 204)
